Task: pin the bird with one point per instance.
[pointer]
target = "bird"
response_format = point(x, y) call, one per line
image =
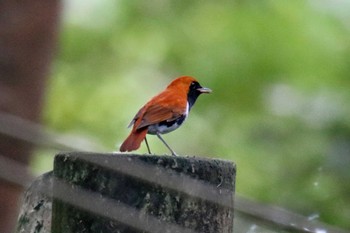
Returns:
point(164, 113)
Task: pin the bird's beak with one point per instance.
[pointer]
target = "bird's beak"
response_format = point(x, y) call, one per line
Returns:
point(204, 90)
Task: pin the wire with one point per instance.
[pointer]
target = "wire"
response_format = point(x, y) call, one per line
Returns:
point(38, 135)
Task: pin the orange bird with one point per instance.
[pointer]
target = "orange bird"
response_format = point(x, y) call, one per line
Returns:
point(164, 113)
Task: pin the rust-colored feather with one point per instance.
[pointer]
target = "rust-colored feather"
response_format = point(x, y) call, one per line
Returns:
point(157, 111)
point(133, 141)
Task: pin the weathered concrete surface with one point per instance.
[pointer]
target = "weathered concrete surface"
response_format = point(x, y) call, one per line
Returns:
point(133, 193)
point(35, 213)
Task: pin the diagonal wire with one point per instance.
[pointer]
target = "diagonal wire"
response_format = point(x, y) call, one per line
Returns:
point(112, 209)
point(167, 178)
point(15, 172)
point(38, 135)
point(89, 201)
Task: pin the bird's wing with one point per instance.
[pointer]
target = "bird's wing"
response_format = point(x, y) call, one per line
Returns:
point(156, 114)
point(137, 116)
point(163, 108)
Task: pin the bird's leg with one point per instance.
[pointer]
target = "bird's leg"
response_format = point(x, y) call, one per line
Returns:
point(149, 150)
point(172, 152)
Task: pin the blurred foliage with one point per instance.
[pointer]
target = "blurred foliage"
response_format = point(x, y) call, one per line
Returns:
point(280, 75)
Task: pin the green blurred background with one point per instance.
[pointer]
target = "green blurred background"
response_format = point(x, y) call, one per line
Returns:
point(279, 71)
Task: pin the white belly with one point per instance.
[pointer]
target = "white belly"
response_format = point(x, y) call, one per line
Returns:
point(164, 128)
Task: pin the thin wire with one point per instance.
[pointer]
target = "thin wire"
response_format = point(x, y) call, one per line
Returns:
point(164, 177)
point(112, 209)
point(38, 135)
point(15, 172)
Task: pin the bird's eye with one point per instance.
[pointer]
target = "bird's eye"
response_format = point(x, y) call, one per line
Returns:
point(194, 84)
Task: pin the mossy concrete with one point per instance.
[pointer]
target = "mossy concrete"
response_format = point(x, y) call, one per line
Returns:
point(35, 212)
point(153, 194)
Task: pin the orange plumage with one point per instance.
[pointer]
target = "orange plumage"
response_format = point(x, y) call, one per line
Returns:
point(165, 112)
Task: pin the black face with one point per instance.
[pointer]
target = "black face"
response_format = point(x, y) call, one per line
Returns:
point(193, 93)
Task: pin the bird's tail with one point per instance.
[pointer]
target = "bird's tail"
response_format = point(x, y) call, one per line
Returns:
point(133, 141)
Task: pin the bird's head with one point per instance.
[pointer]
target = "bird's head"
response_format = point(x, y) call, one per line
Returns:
point(188, 84)
point(191, 86)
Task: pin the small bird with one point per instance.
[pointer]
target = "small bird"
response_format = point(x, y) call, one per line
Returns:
point(164, 113)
